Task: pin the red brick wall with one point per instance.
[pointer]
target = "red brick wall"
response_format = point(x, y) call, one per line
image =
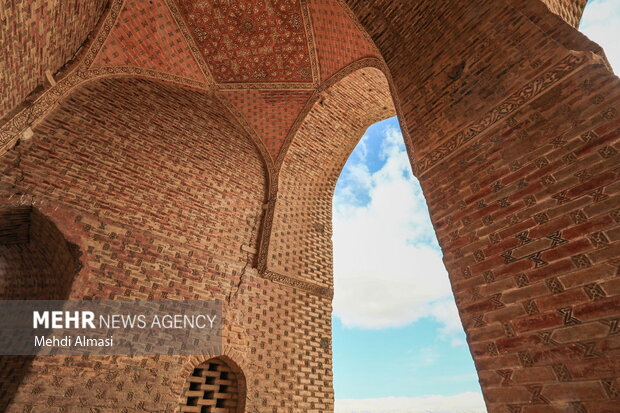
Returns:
point(36, 261)
point(163, 194)
point(514, 127)
point(515, 140)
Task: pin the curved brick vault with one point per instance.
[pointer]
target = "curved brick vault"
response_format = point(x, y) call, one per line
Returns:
point(190, 149)
point(267, 58)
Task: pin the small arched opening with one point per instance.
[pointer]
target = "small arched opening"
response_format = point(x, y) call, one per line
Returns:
point(215, 386)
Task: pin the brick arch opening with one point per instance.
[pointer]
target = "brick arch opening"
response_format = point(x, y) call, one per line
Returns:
point(167, 191)
point(214, 386)
point(300, 240)
point(36, 263)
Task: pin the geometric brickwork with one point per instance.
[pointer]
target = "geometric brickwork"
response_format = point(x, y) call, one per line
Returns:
point(267, 57)
point(271, 113)
point(522, 187)
point(247, 41)
point(36, 263)
point(163, 192)
point(40, 35)
point(262, 56)
point(146, 35)
point(569, 10)
point(300, 243)
point(512, 124)
point(213, 387)
point(339, 40)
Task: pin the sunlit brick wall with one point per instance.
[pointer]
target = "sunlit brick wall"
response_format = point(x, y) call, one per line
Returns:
point(515, 128)
point(162, 192)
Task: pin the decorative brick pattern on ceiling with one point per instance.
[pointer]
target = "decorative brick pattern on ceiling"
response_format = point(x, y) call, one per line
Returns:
point(339, 41)
point(36, 263)
point(146, 35)
point(271, 113)
point(40, 35)
point(242, 41)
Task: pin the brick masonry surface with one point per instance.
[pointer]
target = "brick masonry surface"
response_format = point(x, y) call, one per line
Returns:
point(40, 35)
point(301, 237)
point(518, 160)
point(146, 35)
point(134, 188)
point(569, 10)
point(162, 212)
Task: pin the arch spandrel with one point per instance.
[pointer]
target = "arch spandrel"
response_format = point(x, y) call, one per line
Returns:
point(37, 262)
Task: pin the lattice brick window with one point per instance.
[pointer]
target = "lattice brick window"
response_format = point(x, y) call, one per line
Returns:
point(214, 387)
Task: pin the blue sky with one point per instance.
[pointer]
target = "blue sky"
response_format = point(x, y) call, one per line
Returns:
point(394, 313)
point(398, 343)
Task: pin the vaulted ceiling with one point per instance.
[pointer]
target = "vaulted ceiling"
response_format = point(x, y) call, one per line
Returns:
point(265, 59)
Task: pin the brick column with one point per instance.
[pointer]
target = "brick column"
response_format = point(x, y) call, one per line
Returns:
point(515, 127)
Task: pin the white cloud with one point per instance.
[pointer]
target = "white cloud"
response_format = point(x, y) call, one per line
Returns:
point(601, 23)
point(388, 270)
point(460, 403)
point(424, 357)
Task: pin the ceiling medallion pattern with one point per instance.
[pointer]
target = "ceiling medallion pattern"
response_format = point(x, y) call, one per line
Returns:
point(258, 42)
